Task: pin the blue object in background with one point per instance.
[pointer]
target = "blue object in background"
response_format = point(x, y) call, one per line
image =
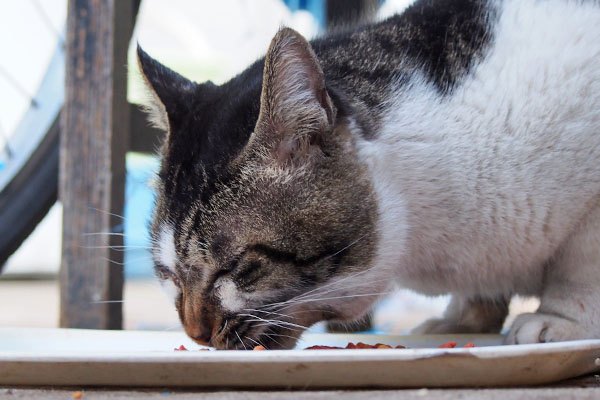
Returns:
point(139, 201)
point(315, 7)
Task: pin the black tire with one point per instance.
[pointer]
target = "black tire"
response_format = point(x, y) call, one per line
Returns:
point(29, 181)
point(26, 200)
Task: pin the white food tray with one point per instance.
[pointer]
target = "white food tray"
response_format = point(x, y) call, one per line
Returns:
point(141, 358)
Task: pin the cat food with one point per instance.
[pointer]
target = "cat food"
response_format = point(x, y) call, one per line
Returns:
point(350, 346)
point(361, 345)
point(447, 345)
point(77, 395)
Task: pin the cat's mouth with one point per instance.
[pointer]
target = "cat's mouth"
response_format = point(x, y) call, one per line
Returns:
point(245, 332)
point(273, 331)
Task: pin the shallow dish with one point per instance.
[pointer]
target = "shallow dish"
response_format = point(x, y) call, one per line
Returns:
point(141, 358)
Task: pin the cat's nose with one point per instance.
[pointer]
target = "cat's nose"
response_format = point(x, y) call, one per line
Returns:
point(201, 334)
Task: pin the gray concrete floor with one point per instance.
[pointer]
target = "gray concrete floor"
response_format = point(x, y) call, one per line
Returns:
point(586, 388)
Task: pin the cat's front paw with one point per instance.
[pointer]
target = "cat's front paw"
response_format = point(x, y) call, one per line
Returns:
point(544, 328)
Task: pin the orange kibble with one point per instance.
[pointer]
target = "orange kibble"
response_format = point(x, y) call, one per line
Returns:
point(362, 345)
point(77, 395)
point(447, 345)
point(383, 346)
point(259, 347)
point(470, 344)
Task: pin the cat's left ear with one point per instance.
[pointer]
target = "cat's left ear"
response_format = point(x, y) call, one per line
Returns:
point(295, 108)
point(172, 94)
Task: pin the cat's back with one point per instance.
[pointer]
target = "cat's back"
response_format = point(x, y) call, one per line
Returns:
point(504, 161)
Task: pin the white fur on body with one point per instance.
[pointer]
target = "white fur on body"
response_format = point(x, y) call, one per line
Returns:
point(493, 190)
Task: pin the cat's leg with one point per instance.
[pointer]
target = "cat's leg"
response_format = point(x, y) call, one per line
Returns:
point(468, 315)
point(570, 301)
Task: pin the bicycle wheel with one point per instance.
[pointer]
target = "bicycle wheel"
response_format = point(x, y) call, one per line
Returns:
point(29, 176)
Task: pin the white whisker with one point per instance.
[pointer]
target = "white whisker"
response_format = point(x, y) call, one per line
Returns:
point(267, 312)
point(118, 247)
point(104, 234)
point(122, 264)
point(273, 321)
point(337, 297)
point(241, 341)
point(108, 213)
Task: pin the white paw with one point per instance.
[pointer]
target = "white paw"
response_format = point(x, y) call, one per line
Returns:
point(543, 328)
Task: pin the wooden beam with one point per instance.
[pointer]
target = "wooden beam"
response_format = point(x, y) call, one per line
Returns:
point(94, 136)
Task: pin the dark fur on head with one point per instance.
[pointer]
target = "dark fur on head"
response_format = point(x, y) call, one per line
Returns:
point(265, 198)
point(260, 192)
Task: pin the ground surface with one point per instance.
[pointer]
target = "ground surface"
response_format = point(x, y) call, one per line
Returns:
point(582, 388)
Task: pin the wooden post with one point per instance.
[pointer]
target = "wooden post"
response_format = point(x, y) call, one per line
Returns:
point(94, 139)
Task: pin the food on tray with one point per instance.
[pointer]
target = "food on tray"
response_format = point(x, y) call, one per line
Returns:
point(361, 345)
point(447, 345)
point(77, 395)
point(350, 345)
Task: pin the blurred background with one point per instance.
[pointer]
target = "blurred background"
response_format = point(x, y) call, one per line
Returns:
point(202, 40)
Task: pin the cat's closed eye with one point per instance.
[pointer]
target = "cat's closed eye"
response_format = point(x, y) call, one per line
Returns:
point(166, 274)
point(250, 274)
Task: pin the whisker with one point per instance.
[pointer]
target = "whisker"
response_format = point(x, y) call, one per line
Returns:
point(337, 282)
point(255, 341)
point(274, 321)
point(331, 290)
point(273, 339)
point(347, 247)
point(118, 247)
point(241, 341)
point(224, 327)
point(106, 212)
point(338, 297)
point(268, 322)
point(320, 288)
point(267, 312)
point(104, 233)
point(122, 264)
point(314, 293)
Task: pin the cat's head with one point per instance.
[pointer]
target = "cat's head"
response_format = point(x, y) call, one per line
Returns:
point(264, 219)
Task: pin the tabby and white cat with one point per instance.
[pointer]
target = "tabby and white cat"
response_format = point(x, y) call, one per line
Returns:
point(454, 148)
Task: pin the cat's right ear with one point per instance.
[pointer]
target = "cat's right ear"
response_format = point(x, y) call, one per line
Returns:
point(172, 94)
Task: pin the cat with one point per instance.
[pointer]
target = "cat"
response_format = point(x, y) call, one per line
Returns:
point(453, 148)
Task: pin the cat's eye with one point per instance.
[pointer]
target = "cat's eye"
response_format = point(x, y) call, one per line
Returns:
point(166, 273)
point(176, 281)
point(251, 273)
